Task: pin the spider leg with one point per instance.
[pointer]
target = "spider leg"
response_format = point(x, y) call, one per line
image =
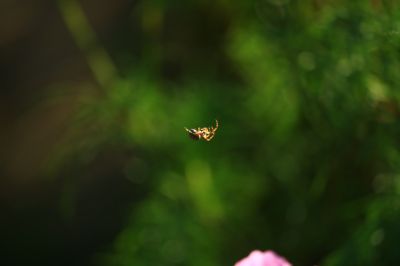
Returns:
point(210, 136)
point(214, 129)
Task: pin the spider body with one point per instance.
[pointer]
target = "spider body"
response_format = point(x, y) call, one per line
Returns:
point(206, 133)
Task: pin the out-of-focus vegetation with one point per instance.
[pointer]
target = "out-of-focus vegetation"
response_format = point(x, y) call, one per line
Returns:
point(306, 160)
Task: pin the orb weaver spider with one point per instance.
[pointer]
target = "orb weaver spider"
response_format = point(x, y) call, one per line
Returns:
point(206, 133)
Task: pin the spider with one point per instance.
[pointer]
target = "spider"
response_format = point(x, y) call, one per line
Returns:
point(206, 133)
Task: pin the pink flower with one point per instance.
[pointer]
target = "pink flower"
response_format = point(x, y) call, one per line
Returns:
point(266, 258)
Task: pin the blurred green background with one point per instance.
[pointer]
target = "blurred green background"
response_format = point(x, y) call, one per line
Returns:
point(96, 168)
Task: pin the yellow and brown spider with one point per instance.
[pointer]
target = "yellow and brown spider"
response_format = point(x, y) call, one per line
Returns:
point(206, 133)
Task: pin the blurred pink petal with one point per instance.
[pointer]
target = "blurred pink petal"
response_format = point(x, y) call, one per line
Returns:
point(266, 258)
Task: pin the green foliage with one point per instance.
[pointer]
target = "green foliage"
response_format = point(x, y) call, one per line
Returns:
point(306, 159)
